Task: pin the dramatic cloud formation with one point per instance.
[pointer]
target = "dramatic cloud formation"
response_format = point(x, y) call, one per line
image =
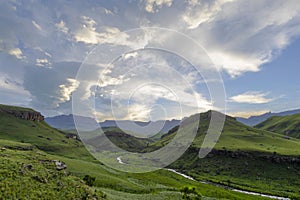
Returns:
point(41, 41)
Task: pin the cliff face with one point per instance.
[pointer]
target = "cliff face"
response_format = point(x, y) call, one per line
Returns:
point(24, 114)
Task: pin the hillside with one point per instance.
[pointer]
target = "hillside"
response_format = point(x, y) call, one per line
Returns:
point(237, 136)
point(254, 120)
point(17, 128)
point(244, 157)
point(39, 176)
point(286, 125)
point(119, 138)
point(27, 173)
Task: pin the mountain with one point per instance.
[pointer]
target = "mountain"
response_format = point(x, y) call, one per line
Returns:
point(66, 122)
point(237, 136)
point(30, 150)
point(254, 120)
point(27, 126)
point(142, 128)
point(287, 125)
point(245, 157)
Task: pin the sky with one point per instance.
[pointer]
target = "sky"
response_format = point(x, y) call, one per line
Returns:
point(51, 50)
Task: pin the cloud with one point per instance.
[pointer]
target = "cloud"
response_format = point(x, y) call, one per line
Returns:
point(152, 6)
point(246, 114)
point(236, 64)
point(42, 62)
point(239, 36)
point(130, 55)
point(146, 86)
point(12, 92)
point(61, 26)
point(111, 35)
point(67, 89)
point(17, 53)
point(251, 98)
point(236, 37)
point(50, 87)
point(138, 112)
point(36, 25)
point(198, 12)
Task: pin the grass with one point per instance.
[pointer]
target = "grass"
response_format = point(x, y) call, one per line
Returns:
point(31, 174)
point(237, 136)
point(14, 108)
point(42, 180)
point(277, 179)
point(41, 135)
point(252, 173)
point(287, 125)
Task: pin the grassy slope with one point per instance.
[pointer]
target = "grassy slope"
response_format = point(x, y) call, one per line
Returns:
point(40, 134)
point(117, 185)
point(287, 125)
point(237, 136)
point(31, 174)
point(119, 138)
point(15, 108)
point(251, 173)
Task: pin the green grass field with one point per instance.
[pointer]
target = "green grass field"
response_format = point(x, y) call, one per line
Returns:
point(286, 125)
point(28, 173)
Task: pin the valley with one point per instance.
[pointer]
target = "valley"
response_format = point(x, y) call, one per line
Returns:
point(244, 158)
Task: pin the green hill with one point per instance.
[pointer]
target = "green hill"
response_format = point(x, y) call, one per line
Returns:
point(286, 125)
point(237, 136)
point(27, 173)
point(13, 127)
point(27, 169)
point(244, 157)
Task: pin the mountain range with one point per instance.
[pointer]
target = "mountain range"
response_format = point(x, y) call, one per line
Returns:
point(66, 122)
point(254, 120)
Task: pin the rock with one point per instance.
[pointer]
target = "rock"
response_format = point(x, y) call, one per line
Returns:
point(3, 149)
point(27, 115)
point(60, 165)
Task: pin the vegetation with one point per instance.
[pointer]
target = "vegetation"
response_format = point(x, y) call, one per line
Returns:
point(26, 143)
point(286, 125)
point(41, 135)
point(27, 173)
point(89, 180)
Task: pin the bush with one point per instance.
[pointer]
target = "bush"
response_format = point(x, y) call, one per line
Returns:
point(190, 193)
point(89, 180)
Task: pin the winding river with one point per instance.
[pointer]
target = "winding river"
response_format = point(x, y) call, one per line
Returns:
point(119, 159)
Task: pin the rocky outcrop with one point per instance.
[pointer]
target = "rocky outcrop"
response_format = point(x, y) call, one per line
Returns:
point(60, 165)
point(24, 114)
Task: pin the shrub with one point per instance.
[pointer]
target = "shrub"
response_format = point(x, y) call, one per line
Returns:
point(89, 180)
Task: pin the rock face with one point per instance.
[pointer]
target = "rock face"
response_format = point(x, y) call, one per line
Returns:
point(27, 115)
